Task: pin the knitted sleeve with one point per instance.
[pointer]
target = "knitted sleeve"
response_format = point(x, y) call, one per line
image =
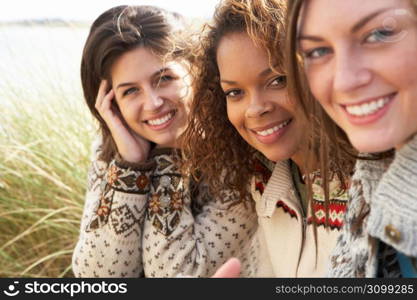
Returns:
point(358, 261)
point(109, 244)
point(393, 214)
point(187, 232)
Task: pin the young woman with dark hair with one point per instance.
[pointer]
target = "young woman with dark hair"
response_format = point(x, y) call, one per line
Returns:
point(142, 216)
point(258, 138)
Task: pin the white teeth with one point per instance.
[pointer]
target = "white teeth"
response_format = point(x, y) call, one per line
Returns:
point(368, 108)
point(161, 121)
point(273, 129)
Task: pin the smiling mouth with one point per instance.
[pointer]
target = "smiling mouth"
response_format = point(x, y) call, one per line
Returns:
point(162, 120)
point(370, 107)
point(274, 129)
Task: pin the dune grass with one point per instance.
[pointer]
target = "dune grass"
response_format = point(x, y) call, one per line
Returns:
point(45, 135)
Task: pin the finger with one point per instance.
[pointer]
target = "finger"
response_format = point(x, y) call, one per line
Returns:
point(107, 101)
point(101, 93)
point(230, 269)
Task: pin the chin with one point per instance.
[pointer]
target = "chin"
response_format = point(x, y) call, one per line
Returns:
point(171, 143)
point(372, 146)
point(276, 155)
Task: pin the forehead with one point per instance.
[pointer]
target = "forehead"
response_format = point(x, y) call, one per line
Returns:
point(237, 53)
point(141, 62)
point(328, 15)
point(130, 60)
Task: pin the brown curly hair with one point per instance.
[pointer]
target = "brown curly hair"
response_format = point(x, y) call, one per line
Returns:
point(210, 143)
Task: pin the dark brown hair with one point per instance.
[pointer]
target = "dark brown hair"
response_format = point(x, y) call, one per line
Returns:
point(210, 142)
point(117, 31)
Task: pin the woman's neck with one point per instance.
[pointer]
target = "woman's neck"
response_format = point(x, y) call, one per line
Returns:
point(173, 146)
point(299, 159)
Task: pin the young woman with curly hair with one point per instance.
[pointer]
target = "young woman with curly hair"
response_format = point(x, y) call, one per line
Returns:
point(247, 133)
point(359, 60)
point(142, 216)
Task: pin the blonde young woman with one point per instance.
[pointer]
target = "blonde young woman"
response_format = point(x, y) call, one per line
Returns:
point(258, 140)
point(142, 216)
point(359, 58)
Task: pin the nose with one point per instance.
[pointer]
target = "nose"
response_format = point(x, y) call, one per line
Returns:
point(258, 105)
point(351, 72)
point(153, 100)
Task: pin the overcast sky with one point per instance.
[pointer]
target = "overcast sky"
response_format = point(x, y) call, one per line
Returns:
point(88, 10)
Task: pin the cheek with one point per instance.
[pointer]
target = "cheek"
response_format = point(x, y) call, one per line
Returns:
point(233, 114)
point(408, 110)
point(183, 108)
point(315, 84)
point(175, 93)
point(130, 110)
point(319, 87)
point(180, 90)
point(400, 64)
point(401, 73)
point(286, 103)
point(404, 73)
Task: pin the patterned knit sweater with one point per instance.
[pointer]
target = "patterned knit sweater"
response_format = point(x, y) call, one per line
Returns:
point(294, 242)
point(150, 220)
point(388, 188)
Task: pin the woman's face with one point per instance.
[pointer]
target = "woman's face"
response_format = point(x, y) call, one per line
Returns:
point(257, 101)
point(152, 95)
point(361, 62)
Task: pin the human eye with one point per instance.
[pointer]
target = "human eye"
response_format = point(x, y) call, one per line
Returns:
point(379, 35)
point(317, 53)
point(130, 91)
point(233, 93)
point(278, 82)
point(165, 78)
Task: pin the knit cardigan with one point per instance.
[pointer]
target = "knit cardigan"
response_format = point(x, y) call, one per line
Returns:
point(150, 220)
point(388, 188)
point(131, 228)
point(287, 243)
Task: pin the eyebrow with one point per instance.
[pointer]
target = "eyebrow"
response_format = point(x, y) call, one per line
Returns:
point(159, 72)
point(261, 74)
point(361, 23)
point(366, 19)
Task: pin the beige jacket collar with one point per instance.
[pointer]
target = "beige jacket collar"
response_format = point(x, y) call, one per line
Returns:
point(280, 186)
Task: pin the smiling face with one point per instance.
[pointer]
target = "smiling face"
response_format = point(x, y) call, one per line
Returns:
point(257, 101)
point(360, 58)
point(152, 96)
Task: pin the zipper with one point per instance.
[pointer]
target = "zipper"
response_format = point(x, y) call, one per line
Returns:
point(302, 214)
point(303, 219)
